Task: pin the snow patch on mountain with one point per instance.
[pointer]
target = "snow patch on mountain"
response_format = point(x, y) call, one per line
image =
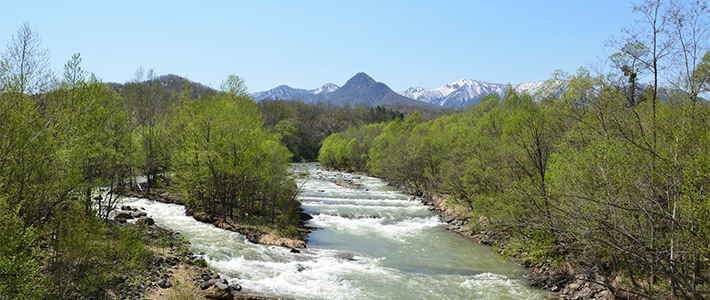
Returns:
point(465, 92)
point(285, 92)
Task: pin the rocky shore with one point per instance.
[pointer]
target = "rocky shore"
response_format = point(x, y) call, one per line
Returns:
point(563, 281)
point(178, 273)
point(253, 233)
point(175, 273)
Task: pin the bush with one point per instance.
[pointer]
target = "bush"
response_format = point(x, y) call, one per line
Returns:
point(20, 262)
point(289, 232)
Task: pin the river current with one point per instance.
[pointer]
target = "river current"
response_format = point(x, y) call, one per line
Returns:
point(372, 243)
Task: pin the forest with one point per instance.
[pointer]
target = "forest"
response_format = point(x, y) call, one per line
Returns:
point(600, 169)
point(66, 140)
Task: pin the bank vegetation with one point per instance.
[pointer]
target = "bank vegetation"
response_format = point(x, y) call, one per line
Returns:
point(599, 169)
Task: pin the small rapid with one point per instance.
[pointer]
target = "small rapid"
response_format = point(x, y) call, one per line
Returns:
point(372, 243)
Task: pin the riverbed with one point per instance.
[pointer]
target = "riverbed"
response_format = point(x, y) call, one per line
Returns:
point(372, 242)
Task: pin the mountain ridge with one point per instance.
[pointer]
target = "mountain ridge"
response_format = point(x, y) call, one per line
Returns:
point(458, 94)
point(465, 92)
point(361, 89)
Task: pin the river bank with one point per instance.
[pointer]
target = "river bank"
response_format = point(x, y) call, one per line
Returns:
point(373, 242)
point(563, 280)
point(256, 234)
point(175, 272)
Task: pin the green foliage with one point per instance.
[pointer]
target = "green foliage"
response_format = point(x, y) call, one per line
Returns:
point(87, 254)
point(289, 232)
point(20, 265)
point(310, 124)
point(586, 174)
point(349, 150)
point(147, 105)
point(226, 161)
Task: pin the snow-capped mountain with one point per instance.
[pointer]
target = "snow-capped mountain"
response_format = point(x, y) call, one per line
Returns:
point(458, 94)
point(285, 92)
point(465, 92)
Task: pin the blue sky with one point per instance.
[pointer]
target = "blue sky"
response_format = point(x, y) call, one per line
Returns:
point(305, 44)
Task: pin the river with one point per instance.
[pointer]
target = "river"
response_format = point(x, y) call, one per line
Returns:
point(373, 243)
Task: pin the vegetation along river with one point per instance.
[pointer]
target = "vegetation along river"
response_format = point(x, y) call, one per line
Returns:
point(373, 243)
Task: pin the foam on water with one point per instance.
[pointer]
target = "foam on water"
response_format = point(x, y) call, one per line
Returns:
point(372, 244)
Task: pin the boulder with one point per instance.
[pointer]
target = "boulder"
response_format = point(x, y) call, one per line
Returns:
point(235, 287)
point(145, 220)
point(306, 217)
point(205, 285)
point(123, 215)
point(202, 217)
point(223, 286)
point(301, 268)
point(139, 213)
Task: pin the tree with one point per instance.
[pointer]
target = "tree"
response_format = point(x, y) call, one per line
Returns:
point(702, 74)
point(690, 30)
point(227, 162)
point(25, 64)
point(147, 104)
point(628, 62)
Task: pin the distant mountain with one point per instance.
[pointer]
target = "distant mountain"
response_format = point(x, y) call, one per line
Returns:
point(172, 83)
point(465, 92)
point(361, 89)
point(285, 92)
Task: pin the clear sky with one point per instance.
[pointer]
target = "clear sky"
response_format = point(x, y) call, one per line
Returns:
point(305, 44)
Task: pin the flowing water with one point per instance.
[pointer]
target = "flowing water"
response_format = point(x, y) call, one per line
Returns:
point(373, 243)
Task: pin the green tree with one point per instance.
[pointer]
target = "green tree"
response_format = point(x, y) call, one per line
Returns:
point(228, 162)
point(147, 105)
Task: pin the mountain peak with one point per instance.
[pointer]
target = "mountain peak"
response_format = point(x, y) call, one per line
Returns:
point(360, 80)
point(327, 88)
point(465, 92)
point(361, 89)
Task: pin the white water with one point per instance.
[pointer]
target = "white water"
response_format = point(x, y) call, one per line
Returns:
point(374, 244)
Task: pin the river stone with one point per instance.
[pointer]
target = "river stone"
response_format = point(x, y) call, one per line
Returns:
point(300, 268)
point(306, 217)
point(235, 287)
point(123, 215)
point(145, 220)
point(223, 286)
point(164, 284)
point(219, 280)
point(202, 217)
point(205, 285)
point(139, 213)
